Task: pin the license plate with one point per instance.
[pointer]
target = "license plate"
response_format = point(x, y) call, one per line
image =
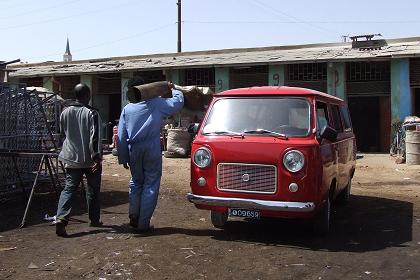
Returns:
point(244, 213)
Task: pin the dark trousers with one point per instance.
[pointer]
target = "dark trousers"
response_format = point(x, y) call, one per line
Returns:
point(73, 178)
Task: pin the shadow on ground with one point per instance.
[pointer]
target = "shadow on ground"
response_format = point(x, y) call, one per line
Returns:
point(364, 224)
point(12, 209)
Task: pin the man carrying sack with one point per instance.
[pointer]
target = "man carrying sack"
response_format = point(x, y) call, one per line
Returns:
point(139, 145)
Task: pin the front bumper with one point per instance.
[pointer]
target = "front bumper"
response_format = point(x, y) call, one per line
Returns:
point(252, 203)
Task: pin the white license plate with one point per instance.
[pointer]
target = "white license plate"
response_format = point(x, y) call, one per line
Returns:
point(244, 213)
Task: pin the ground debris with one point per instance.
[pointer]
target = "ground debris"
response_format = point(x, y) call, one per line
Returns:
point(151, 267)
point(33, 266)
point(7, 249)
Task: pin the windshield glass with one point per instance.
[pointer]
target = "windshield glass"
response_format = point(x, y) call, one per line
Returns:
point(263, 116)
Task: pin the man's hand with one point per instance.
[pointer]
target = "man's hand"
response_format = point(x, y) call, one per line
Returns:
point(126, 166)
point(95, 167)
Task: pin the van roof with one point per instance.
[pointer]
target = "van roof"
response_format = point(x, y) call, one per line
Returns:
point(272, 90)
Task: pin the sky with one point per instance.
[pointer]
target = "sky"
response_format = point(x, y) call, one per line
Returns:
point(36, 31)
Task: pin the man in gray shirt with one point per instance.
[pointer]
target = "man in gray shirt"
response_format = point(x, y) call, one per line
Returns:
point(82, 154)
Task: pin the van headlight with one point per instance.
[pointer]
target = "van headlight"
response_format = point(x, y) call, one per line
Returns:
point(202, 157)
point(293, 161)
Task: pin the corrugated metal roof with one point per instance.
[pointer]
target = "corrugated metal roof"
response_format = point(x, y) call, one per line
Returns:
point(406, 47)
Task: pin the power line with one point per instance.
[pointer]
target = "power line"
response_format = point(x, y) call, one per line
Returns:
point(40, 9)
point(109, 42)
point(64, 18)
point(297, 20)
point(311, 22)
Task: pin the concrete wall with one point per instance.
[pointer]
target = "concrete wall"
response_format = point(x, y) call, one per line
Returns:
point(401, 101)
point(336, 79)
point(276, 75)
point(125, 77)
point(221, 78)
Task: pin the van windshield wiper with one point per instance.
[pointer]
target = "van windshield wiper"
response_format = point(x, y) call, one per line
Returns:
point(265, 131)
point(225, 132)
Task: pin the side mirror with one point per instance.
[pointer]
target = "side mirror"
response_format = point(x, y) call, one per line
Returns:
point(193, 128)
point(329, 133)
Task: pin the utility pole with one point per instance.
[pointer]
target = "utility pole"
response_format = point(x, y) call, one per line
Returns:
point(179, 26)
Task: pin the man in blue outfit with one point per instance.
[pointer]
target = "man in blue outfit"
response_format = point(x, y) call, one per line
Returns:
point(139, 148)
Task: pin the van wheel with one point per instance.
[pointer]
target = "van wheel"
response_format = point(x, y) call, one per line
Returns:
point(345, 194)
point(218, 219)
point(321, 222)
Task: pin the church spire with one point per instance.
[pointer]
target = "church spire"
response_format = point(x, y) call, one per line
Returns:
point(67, 55)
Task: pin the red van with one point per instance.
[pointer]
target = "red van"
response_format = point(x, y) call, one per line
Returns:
point(273, 152)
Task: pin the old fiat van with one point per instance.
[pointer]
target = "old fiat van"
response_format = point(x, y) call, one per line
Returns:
point(273, 152)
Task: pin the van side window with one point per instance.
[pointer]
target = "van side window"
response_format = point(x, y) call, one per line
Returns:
point(336, 118)
point(346, 118)
point(321, 115)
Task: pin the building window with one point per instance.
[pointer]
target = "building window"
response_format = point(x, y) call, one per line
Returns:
point(199, 77)
point(368, 71)
point(307, 72)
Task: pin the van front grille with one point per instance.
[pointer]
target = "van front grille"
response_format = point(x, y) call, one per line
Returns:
point(253, 178)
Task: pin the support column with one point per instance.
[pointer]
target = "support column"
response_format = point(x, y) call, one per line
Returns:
point(125, 77)
point(336, 79)
point(176, 76)
point(401, 103)
point(13, 80)
point(47, 82)
point(87, 80)
point(221, 78)
point(276, 75)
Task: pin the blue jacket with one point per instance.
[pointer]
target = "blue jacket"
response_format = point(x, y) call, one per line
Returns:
point(140, 123)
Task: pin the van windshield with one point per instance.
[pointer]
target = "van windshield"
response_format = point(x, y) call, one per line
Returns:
point(259, 116)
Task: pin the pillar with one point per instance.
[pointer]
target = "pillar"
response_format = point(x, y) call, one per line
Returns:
point(221, 78)
point(47, 82)
point(276, 75)
point(87, 80)
point(125, 77)
point(336, 79)
point(401, 103)
point(176, 76)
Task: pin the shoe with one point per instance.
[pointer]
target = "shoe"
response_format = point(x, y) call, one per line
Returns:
point(96, 224)
point(145, 230)
point(60, 229)
point(133, 221)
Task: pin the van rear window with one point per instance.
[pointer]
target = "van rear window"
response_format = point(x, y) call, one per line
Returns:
point(289, 116)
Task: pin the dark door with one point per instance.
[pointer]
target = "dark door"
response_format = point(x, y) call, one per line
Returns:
point(365, 116)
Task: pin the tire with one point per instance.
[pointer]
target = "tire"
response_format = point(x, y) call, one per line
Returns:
point(321, 222)
point(218, 219)
point(346, 193)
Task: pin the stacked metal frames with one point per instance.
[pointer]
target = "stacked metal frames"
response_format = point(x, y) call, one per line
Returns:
point(29, 127)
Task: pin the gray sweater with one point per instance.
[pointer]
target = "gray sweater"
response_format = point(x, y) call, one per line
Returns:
point(80, 125)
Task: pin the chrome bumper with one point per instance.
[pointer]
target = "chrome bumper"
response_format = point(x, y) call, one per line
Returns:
point(252, 203)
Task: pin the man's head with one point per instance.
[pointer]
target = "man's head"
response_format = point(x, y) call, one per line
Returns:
point(82, 93)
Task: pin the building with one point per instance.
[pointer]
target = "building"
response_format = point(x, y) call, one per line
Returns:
point(380, 79)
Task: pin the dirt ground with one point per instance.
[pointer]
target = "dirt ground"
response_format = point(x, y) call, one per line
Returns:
point(375, 236)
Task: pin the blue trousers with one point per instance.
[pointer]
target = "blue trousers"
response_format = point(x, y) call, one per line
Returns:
point(73, 178)
point(146, 171)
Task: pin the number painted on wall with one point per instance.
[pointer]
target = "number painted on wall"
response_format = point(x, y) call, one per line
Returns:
point(220, 84)
point(276, 79)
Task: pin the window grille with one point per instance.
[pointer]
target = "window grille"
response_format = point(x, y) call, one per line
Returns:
point(199, 77)
point(368, 71)
point(307, 72)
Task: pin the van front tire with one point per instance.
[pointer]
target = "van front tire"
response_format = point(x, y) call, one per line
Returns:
point(218, 219)
point(321, 222)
